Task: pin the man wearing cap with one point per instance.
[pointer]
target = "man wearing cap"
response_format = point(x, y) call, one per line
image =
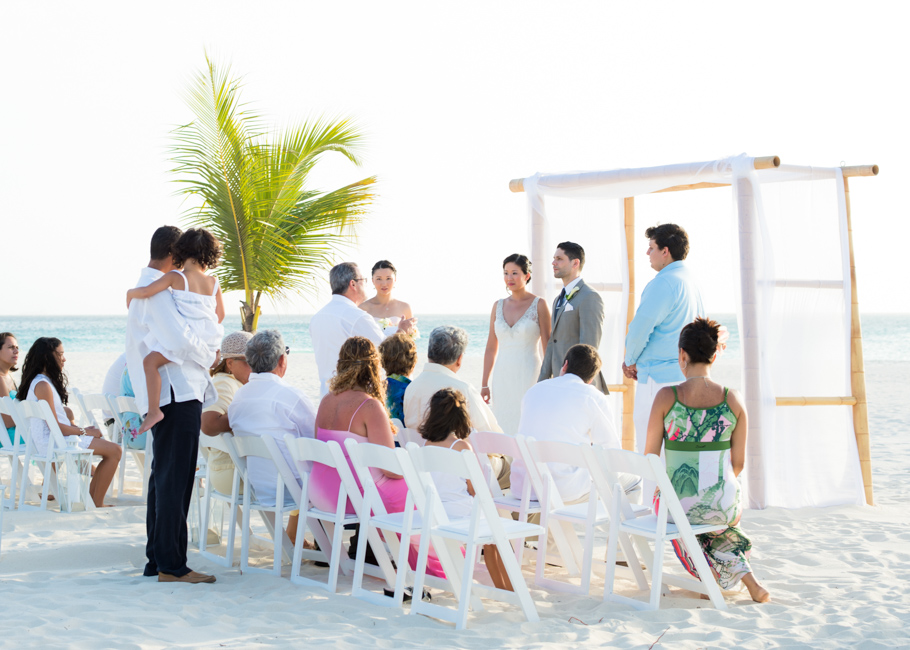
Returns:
point(229, 375)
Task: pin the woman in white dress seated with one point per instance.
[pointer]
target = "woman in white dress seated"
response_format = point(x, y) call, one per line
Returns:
point(519, 331)
point(387, 311)
point(43, 379)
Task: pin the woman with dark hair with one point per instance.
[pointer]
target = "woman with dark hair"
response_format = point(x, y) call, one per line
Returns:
point(43, 379)
point(9, 356)
point(355, 408)
point(702, 428)
point(448, 425)
point(387, 310)
point(519, 331)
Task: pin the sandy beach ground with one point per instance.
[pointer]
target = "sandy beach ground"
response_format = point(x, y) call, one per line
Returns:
point(838, 576)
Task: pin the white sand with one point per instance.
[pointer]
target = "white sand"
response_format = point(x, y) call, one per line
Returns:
point(838, 577)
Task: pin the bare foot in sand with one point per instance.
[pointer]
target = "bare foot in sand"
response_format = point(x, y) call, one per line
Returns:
point(759, 594)
point(153, 417)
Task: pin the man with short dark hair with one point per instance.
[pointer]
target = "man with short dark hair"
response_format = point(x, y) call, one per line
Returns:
point(669, 302)
point(567, 408)
point(185, 388)
point(342, 318)
point(578, 313)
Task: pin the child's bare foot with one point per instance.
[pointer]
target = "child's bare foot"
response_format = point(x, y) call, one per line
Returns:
point(759, 594)
point(153, 418)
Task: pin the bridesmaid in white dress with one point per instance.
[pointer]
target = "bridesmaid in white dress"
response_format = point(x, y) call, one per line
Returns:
point(519, 331)
point(387, 311)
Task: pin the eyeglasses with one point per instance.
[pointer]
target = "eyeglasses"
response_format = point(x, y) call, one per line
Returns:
point(360, 279)
point(287, 350)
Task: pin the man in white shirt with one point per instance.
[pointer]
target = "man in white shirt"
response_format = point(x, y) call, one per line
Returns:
point(185, 388)
point(341, 319)
point(269, 406)
point(446, 353)
point(567, 409)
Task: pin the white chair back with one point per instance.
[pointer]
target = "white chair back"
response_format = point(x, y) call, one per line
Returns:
point(223, 443)
point(8, 408)
point(406, 435)
point(88, 403)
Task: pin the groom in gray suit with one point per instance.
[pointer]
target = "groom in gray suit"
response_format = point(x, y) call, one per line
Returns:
point(578, 313)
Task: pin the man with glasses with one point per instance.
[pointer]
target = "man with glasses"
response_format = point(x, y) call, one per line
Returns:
point(341, 319)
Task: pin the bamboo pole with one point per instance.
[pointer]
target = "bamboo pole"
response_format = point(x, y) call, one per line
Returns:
point(619, 388)
point(857, 368)
point(860, 170)
point(762, 162)
point(748, 231)
point(816, 401)
point(628, 397)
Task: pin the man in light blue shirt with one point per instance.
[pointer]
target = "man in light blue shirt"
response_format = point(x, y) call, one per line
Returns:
point(669, 302)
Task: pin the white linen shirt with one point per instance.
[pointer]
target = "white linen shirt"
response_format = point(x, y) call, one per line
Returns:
point(435, 377)
point(565, 409)
point(269, 406)
point(331, 326)
point(189, 379)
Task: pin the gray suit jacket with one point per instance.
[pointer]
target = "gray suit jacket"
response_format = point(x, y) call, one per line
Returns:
point(581, 324)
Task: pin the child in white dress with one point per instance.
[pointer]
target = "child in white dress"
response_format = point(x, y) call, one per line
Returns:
point(198, 299)
point(448, 424)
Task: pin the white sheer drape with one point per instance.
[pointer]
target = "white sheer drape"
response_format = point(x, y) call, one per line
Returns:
point(793, 307)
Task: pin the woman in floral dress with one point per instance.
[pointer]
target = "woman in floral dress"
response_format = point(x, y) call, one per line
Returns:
point(702, 427)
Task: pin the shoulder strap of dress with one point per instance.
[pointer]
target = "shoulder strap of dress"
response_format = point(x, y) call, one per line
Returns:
point(186, 284)
point(675, 394)
point(215, 290)
point(454, 443)
point(355, 412)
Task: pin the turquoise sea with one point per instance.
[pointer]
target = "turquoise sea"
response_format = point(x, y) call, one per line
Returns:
point(886, 337)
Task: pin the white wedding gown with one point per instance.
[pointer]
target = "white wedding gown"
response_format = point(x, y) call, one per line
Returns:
point(517, 365)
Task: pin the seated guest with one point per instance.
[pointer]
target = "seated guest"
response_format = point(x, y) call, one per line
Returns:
point(229, 375)
point(268, 406)
point(353, 409)
point(111, 386)
point(448, 425)
point(568, 408)
point(446, 353)
point(399, 357)
point(700, 410)
point(9, 355)
point(43, 379)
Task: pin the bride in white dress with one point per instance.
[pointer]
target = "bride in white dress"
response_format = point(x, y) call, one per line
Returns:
point(519, 331)
point(387, 311)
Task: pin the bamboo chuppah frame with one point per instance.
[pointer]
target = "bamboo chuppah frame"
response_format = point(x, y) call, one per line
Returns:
point(857, 400)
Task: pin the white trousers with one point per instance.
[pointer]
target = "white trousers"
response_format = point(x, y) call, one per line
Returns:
point(645, 392)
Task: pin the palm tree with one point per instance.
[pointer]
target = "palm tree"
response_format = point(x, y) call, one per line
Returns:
point(278, 235)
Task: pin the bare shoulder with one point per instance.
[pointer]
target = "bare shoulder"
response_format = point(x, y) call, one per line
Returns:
point(665, 396)
point(542, 308)
point(735, 400)
point(403, 307)
point(44, 391)
point(462, 445)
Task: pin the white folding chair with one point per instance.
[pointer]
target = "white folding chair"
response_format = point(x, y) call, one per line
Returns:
point(305, 452)
point(247, 446)
point(57, 451)
point(12, 450)
point(374, 517)
point(590, 513)
point(143, 459)
point(231, 502)
point(88, 404)
point(406, 435)
point(657, 528)
point(484, 526)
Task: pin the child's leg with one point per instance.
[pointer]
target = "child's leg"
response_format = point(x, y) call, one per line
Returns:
point(496, 568)
point(150, 365)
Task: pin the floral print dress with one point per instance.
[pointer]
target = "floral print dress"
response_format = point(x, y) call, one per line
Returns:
point(697, 446)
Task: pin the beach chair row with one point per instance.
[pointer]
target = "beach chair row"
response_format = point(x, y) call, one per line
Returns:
point(22, 453)
point(456, 543)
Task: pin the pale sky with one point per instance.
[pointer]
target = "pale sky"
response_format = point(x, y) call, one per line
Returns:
point(457, 98)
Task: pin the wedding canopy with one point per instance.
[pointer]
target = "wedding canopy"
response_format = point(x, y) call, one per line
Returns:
point(802, 375)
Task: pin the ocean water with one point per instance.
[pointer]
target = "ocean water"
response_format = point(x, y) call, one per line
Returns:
point(886, 337)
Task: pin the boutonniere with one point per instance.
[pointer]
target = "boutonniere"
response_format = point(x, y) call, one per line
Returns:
point(571, 294)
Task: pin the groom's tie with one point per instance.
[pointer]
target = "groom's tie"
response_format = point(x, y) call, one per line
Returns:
point(561, 300)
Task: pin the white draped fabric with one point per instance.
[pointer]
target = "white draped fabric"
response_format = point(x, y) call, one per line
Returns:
point(789, 227)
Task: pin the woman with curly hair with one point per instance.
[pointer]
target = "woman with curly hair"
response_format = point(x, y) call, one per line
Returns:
point(355, 408)
point(702, 427)
point(198, 299)
point(43, 379)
